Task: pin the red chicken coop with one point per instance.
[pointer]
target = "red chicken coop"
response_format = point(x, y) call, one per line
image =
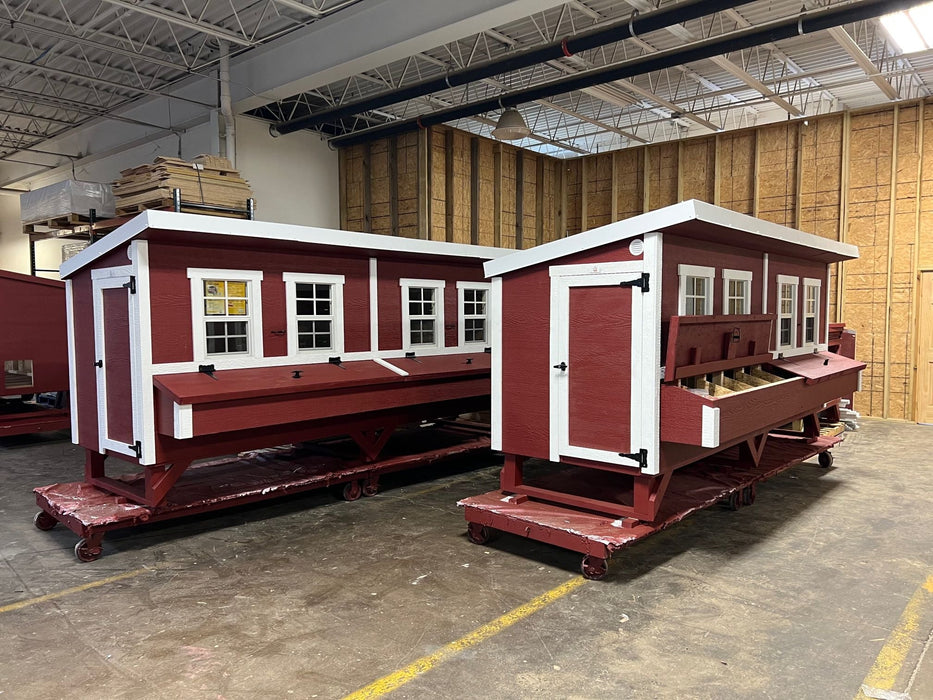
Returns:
point(34, 355)
point(654, 361)
point(197, 337)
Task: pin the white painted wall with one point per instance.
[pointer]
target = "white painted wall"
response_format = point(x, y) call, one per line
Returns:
point(294, 178)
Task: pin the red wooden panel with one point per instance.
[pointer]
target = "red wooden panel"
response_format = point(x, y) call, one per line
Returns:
point(694, 342)
point(85, 357)
point(245, 414)
point(448, 365)
point(600, 367)
point(119, 401)
point(820, 366)
point(526, 367)
point(33, 327)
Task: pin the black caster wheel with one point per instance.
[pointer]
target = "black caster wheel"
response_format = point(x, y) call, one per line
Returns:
point(370, 487)
point(748, 495)
point(479, 534)
point(44, 521)
point(735, 500)
point(86, 552)
point(594, 568)
point(826, 459)
point(351, 491)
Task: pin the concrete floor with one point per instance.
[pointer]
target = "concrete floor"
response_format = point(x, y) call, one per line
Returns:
point(311, 597)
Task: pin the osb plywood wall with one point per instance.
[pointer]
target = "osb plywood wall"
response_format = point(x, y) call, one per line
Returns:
point(863, 177)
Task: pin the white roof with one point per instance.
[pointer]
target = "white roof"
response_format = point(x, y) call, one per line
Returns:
point(773, 236)
point(224, 226)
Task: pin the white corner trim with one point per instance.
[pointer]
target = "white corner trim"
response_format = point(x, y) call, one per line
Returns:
point(737, 275)
point(696, 271)
point(764, 283)
point(812, 282)
point(106, 273)
point(787, 279)
point(605, 268)
point(72, 364)
point(291, 280)
point(415, 282)
point(710, 429)
point(144, 401)
point(183, 427)
point(373, 305)
point(495, 321)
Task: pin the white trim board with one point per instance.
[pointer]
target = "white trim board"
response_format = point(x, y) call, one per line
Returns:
point(265, 230)
point(657, 221)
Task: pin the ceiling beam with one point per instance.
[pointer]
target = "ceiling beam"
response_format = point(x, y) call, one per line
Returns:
point(864, 62)
point(182, 20)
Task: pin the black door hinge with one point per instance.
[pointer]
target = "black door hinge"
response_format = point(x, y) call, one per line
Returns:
point(638, 282)
point(131, 285)
point(137, 448)
point(641, 457)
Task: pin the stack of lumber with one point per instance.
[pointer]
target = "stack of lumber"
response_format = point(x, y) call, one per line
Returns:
point(209, 180)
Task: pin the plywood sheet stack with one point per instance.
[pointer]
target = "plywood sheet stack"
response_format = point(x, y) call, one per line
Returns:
point(209, 180)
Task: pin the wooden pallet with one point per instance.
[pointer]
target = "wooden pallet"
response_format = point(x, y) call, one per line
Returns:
point(167, 204)
point(65, 221)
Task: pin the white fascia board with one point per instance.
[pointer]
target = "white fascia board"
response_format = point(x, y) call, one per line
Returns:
point(265, 230)
point(659, 220)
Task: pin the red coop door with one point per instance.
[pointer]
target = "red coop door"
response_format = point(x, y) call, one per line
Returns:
point(114, 362)
point(598, 322)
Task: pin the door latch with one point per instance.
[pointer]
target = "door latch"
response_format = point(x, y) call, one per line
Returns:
point(562, 366)
point(99, 363)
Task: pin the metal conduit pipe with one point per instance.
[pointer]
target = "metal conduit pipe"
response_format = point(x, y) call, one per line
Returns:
point(634, 25)
point(228, 142)
point(807, 23)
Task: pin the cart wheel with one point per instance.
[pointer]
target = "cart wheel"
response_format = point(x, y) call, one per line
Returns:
point(351, 491)
point(479, 534)
point(370, 487)
point(85, 552)
point(748, 495)
point(735, 500)
point(826, 459)
point(594, 568)
point(44, 521)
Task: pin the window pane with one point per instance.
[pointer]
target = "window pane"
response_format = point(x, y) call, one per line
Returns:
point(305, 308)
point(810, 330)
point(322, 308)
point(216, 327)
point(214, 288)
point(785, 331)
point(214, 307)
point(236, 344)
point(236, 289)
point(236, 307)
point(475, 330)
point(304, 291)
point(215, 345)
point(236, 328)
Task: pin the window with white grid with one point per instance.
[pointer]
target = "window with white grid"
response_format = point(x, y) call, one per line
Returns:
point(226, 314)
point(787, 312)
point(422, 313)
point(811, 310)
point(736, 292)
point(696, 290)
point(314, 306)
point(473, 302)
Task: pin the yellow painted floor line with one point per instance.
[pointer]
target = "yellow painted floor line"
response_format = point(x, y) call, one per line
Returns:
point(68, 591)
point(388, 683)
point(887, 666)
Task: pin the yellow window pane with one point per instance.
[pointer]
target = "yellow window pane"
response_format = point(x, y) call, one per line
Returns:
point(236, 307)
point(236, 289)
point(214, 307)
point(214, 288)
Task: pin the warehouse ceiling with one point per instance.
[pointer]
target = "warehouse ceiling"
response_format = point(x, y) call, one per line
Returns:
point(64, 64)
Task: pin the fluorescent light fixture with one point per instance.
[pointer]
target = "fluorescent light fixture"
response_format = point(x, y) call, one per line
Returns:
point(912, 30)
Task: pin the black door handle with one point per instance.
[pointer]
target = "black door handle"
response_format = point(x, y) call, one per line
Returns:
point(99, 363)
point(562, 366)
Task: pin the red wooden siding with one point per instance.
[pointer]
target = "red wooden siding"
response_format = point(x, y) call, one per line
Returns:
point(32, 327)
point(526, 337)
point(390, 294)
point(171, 296)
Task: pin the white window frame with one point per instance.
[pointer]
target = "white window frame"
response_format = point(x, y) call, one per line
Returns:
point(808, 284)
point(253, 279)
point(794, 282)
point(685, 271)
point(407, 283)
point(462, 287)
point(336, 317)
point(737, 275)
